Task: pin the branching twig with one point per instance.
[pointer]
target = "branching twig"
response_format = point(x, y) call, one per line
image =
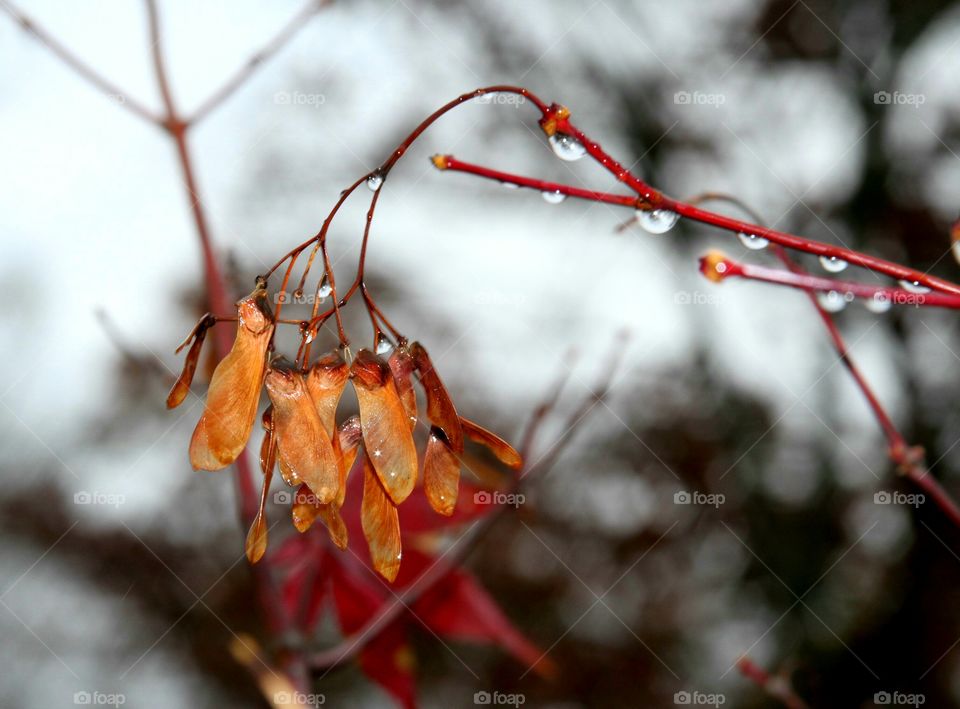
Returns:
point(218, 297)
point(243, 74)
point(83, 69)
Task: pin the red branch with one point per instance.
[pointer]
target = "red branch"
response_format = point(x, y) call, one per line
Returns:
point(824, 284)
point(557, 120)
point(909, 460)
point(218, 297)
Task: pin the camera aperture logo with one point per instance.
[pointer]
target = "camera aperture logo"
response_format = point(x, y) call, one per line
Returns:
point(700, 699)
point(283, 497)
point(901, 699)
point(495, 497)
point(499, 699)
point(887, 497)
point(713, 499)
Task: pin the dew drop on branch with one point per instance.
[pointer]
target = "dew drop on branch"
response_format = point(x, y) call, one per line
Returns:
point(832, 301)
point(567, 147)
point(878, 303)
point(752, 241)
point(553, 197)
point(832, 264)
point(374, 182)
point(657, 221)
point(914, 287)
point(383, 347)
point(324, 291)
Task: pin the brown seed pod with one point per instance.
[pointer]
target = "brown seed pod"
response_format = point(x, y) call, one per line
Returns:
point(304, 451)
point(181, 387)
point(440, 408)
point(384, 423)
point(326, 381)
point(504, 452)
point(441, 473)
point(234, 393)
point(381, 524)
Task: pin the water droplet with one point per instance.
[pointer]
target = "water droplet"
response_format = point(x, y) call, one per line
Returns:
point(832, 264)
point(657, 221)
point(914, 287)
point(752, 241)
point(832, 301)
point(555, 197)
point(567, 147)
point(374, 182)
point(878, 303)
point(510, 185)
point(383, 347)
point(311, 335)
point(324, 291)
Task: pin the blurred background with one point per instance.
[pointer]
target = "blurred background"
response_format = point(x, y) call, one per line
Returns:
point(122, 569)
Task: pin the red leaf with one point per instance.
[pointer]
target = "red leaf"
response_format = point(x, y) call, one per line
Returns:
point(387, 659)
point(459, 608)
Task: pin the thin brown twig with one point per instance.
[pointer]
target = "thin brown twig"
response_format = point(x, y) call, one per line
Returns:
point(84, 70)
point(218, 298)
point(258, 59)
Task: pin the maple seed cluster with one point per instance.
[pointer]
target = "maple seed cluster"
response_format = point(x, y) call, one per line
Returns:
point(314, 454)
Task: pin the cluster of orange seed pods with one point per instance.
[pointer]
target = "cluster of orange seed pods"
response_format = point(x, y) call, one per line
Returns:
point(314, 454)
